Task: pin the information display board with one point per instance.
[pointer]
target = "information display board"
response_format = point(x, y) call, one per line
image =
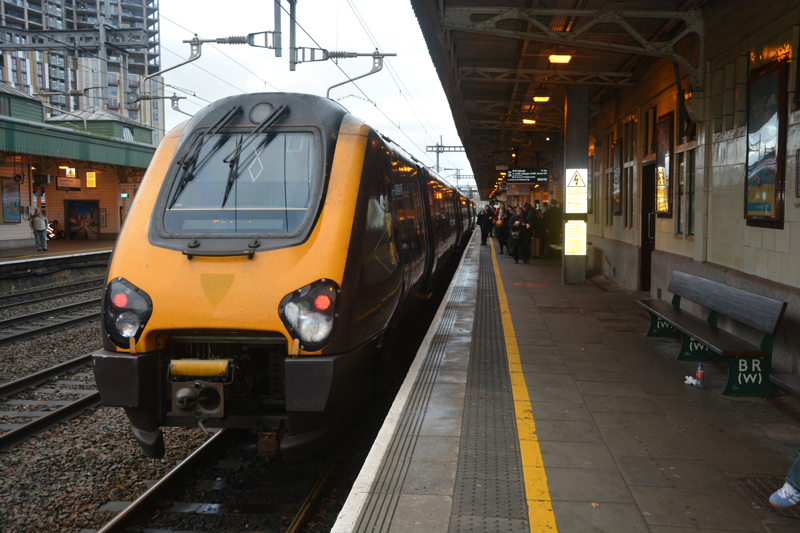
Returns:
point(575, 237)
point(527, 175)
point(577, 191)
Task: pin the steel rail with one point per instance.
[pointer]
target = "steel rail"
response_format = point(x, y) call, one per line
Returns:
point(47, 313)
point(25, 294)
point(37, 378)
point(43, 423)
point(312, 500)
point(145, 503)
point(48, 298)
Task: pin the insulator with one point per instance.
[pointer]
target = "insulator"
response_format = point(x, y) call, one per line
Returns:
point(341, 55)
point(239, 39)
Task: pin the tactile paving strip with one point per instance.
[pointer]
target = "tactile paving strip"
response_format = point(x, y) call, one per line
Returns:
point(385, 490)
point(490, 492)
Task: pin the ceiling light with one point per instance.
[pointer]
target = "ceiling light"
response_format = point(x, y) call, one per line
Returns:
point(541, 98)
point(528, 121)
point(548, 138)
point(556, 58)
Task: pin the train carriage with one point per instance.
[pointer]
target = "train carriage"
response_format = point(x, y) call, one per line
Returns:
point(274, 243)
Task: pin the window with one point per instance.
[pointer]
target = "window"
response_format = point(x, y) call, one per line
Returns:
point(679, 193)
point(155, 105)
point(5, 106)
point(127, 133)
point(155, 118)
point(113, 91)
point(279, 177)
point(39, 57)
point(95, 66)
point(684, 197)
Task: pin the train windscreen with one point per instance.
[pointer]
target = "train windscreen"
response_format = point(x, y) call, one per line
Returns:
point(232, 184)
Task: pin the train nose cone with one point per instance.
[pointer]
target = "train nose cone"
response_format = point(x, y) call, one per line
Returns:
point(185, 398)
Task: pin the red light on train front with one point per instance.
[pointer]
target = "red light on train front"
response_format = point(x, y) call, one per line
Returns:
point(309, 314)
point(322, 302)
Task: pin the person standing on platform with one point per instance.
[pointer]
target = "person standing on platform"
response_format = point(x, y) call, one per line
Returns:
point(485, 223)
point(39, 226)
point(520, 233)
point(502, 228)
point(530, 219)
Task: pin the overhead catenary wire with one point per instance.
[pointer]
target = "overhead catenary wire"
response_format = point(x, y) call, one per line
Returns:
point(398, 81)
point(354, 83)
point(221, 52)
point(88, 55)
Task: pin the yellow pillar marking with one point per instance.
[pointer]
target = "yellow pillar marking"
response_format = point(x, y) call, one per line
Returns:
point(540, 507)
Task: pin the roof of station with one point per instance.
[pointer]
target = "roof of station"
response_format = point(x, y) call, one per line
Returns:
point(493, 58)
point(97, 114)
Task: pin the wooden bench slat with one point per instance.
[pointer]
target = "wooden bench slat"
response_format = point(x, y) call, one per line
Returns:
point(758, 312)
point(718, 340)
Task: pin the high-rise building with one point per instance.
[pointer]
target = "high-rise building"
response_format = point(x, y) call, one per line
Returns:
point(65, 70)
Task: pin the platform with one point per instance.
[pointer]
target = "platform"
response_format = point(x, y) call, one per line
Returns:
point(537, 406)
point(56, 249)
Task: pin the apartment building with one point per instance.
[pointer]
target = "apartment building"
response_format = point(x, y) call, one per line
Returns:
point(61, 71)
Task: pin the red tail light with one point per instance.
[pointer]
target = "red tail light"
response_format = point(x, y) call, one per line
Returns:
point(322, 302)
point(119, 300)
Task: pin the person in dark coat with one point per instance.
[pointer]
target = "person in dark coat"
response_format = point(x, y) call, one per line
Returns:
point(501, 228)
point(520, 234)
point(485, 222)
point(554, 219)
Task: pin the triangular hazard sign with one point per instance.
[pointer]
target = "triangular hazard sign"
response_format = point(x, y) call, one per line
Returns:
point(576, 181)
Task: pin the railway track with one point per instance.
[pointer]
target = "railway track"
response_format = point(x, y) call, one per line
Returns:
point(34, 324)
point(42, 295)
point(68, 398)
point(225, 485)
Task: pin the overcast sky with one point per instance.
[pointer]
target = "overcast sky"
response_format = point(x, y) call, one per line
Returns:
point(413, 115)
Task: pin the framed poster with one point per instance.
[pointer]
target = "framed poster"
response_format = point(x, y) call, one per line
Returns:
point(11, 211)
point(616, 179)
point(664, 148)
point(766, 143)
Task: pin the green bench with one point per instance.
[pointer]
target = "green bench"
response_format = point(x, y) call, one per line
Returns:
point(749, 366)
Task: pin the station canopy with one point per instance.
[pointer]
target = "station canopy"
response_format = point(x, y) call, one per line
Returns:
point(498, 64)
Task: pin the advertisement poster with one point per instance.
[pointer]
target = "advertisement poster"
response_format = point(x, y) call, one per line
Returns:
point(11, 212)
point(664, 166)
point(83, 220)
point(616, 180)
point(575, 237)
point(764, 180)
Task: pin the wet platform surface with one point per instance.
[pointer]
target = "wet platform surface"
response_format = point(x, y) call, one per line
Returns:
point(607, 438)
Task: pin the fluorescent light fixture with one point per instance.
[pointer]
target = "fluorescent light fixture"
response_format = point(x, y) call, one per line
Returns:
point(528, 121)
point(63, 168)
point(557, 58)
point(541, 99)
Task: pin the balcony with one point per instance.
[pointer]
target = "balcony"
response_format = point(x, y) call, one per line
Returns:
point(85, 7)
point(34, 7)
point(14, 14)
point(35, 20)
point(133, 25)
point(90, 20)
point(19, 3)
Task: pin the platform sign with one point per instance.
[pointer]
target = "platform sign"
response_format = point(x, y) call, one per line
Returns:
point(67, 184)
point(528, 175)
point(575, 237)
point(91, 179)
point(577, 191)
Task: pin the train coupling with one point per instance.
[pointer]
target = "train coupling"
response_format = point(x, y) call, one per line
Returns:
point(198, 387)
point(269, 442)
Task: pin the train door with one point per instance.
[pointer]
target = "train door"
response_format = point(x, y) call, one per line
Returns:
point(425, 186)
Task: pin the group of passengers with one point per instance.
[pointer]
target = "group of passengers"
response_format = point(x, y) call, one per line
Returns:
point(522, 232)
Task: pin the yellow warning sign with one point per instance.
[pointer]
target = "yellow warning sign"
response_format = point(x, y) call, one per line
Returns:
point(71, 173)
point(575, 237)
point(91, 179)
point(577, 191)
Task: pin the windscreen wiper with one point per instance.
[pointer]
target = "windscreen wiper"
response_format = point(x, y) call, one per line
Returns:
point(266, 123)
point(190, 160)
point(233, 173)
point(233, 158)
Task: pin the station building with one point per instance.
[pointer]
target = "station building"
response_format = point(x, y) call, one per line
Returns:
point(81, 170)
point(693, 121)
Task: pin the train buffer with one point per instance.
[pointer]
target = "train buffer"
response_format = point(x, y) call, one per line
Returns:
point(536, 406)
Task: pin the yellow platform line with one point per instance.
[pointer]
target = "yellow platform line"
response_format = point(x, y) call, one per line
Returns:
point(540, 507)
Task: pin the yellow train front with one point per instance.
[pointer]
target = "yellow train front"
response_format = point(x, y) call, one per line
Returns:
point(273, 246)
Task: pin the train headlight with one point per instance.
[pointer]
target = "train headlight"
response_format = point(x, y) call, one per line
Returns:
point(310, 313)
point(127, 310)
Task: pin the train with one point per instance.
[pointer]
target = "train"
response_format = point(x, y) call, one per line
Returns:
point(274, 244)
